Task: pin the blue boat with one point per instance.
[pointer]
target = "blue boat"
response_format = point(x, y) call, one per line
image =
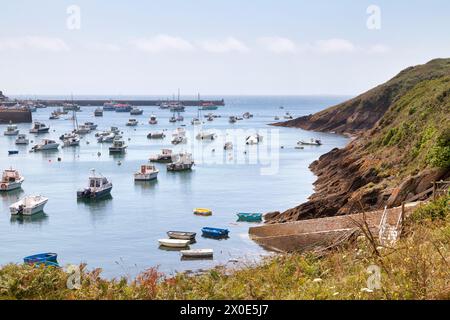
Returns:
point(215, 233)
point(48, 259)
point(250, 217)
point(13, 152)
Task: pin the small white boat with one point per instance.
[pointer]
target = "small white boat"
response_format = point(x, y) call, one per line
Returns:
point(118, 146)
point(11, 180)
point(28, 206)
point(46, 144)
point(174, 243)
point(197, 253)
point(172, 119)
point(107, 138)
point(22, 139)
point(156, 135)
point(288, 116)
point(91, 125)
point(98, 187)
point(132, 123)
point(153, 120)
point(228, 146)
point(72, 141)
point(196, 121)
point(11, 130)
point(147, 173)
point(181, 162)
point(165, 156)
point(312, 142)
point(178, 140)
point(39, 127)
point(205, 136)
point(136, 111)
point(182, 235)
point(253, 139)
point(83, 129)
point(98, 112)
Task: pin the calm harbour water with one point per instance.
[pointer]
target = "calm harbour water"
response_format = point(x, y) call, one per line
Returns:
point(121, 234)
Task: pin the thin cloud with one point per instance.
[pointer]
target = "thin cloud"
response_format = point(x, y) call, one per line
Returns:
point(334, 46)
point(162, 43)
point(230, 44)
point(109, 47)
point(278, 44)
point(34, 43)
point(379, 49)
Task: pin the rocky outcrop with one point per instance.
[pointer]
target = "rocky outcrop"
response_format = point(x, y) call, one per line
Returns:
point(399, 125)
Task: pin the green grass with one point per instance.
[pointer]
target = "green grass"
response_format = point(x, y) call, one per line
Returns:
point(416, 268)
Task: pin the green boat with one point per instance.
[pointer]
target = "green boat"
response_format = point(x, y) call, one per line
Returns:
point(249, 217)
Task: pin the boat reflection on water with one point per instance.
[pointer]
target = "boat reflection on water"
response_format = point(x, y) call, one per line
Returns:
point(38, 218)
point(98, 208)
point(13, 195)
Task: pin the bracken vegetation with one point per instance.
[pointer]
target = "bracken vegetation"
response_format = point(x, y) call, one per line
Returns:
point(417, 267)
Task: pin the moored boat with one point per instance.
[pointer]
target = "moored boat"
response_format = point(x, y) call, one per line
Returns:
point(153, 120)
point(216, 233)
point(136, 111)
point(98, 112)
point(156, 135)
point(202, 212)
point(232, 119)
point(249, 217)
point(132, 123)
point(46, 144)
point(118, 146)
point(181, 162)
point(197, 253)
point(122, 107)
point(22, 139)
point(254, 139)
point(164, 157)
point(39, 128)
point(11, 180)
point(204, 135)
point(312, 142)
point(28, 206)
point(47, 259)
point(146, 173)
point(174, 243)
point(98, 187)
point(11, 130)
point(109, 106)
point(228, 146)
point(181, 235)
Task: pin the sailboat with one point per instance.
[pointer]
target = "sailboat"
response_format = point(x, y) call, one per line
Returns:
point(197, 121)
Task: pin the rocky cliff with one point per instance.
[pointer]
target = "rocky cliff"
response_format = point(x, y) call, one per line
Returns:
point(402, 145)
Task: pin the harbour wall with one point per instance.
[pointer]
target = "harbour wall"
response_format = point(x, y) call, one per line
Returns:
point(137, 103)
point(15, 116)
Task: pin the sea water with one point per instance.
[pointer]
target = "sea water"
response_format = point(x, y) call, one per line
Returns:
point(120, 234)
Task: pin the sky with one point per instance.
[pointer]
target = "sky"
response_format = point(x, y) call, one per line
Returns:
point(215, 47)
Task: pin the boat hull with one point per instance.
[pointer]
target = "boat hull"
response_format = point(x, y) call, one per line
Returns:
point(15, 210)
point(197, 253)
point(94, 195)
point(11, 185)
point(145, 176)
point(180, 235)
point(172, 243)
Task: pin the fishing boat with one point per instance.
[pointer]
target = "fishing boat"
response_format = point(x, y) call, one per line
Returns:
point(146, 173)
point(197, 253)
point(153, 119)
point(181, 235)
point(173, 119)
point(132, 123)
point(247, 115)
point(22, 139)
point(118, 146)
point(109, 106)
point(249, 217)
point(136, 112)
point(11, 180)
point(47, 259)
point(67, 136)
point(11, 130)
point(174, 243)
point(72, 141)
point(29, 205)
point(232, 119)
point(181, 162)
point(98, 187)
point(156, 135)
point(208, 106)
point(39, 128)
point(122, 107)
point(203, 135)
point(107, 138)
point(228, 146)
point(98, 112)
point(91, 125)
point(253, 139)
point(203, 212)
point(46, 144)
point(83, 129)
point(312, 142)
point(215, 233)
point(164, 157)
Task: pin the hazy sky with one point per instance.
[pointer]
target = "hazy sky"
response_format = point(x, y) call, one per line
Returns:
point(215, 46)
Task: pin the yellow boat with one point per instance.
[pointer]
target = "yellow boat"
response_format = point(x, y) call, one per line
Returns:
point(202, 212)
